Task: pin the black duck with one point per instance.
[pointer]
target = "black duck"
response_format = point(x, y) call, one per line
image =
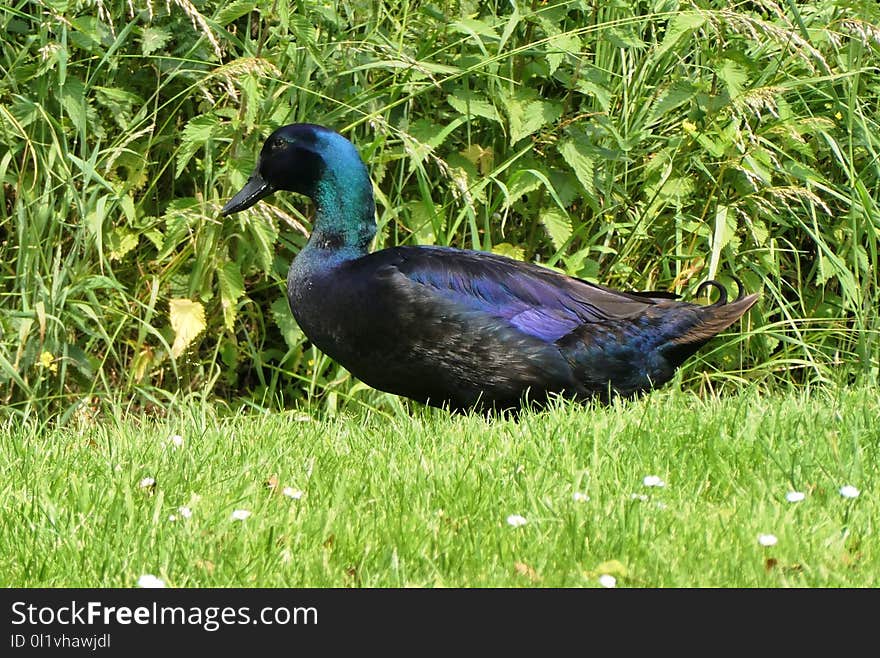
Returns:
point(457, 328)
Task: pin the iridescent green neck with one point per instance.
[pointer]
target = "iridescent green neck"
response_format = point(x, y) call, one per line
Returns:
point(344, 218)
point(343, 195)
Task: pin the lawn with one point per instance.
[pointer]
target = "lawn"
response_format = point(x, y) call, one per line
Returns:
point(668, 491)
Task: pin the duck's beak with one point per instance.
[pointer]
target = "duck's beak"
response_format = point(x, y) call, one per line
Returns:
point(255, 189)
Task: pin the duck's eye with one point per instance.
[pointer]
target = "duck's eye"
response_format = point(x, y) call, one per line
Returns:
point(278, 144)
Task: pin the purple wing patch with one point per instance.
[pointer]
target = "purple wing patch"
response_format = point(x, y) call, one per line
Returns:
point(535, 300)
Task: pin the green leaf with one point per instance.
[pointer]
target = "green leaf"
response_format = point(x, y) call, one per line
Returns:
point(81, 361)
point(826, 269)
point(667, 190)
point(89, 32)
point(725, 229)
point(304, 30)
point(265, 234)
point(581, 265)
point(510, 26)
point(469, 103)
point(423, 218)
point(9, 371)
point(254, 90)
point(74, 103)
point(23, 109)
point(715, 148)
point(678, 188)
point(521, 182)
point(231, 289)
point(760, 232)
point(509, 250)
point(119, 102)
point(290, 330)
point(179, 217)
point(153, 39)
point(613, 568)
point(674, 96)
point(560, 46)
point(527, 114)
point(558, 226)
point(155, 236)
point(474, 28)
point(234, 10)
point(574, 152)
point(128, 209)
point(96, 282)
point(624, 38)
point(567, 187)
point(110, 95)
point(602, 95)
point(482, 158)
point(733, 76)
point(94, 220)
point(682, 24)
point(195, 134)
point(428, 136)
point(120, 242)
point(759, 164)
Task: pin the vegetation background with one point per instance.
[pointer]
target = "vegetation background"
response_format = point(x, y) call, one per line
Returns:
point(641, 144)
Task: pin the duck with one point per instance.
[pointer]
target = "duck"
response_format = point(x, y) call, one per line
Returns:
point(463, 329)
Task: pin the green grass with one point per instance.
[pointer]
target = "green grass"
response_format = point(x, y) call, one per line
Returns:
point(419, 498)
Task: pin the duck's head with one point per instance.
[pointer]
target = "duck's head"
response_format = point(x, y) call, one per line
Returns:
point(310, 160)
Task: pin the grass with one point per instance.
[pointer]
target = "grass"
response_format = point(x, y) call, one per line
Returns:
point(419, 498)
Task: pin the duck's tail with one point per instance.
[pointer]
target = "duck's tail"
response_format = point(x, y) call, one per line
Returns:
point(631, 356)
point(701, 323)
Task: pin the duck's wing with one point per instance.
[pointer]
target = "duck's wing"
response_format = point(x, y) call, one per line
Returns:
point(532, 299)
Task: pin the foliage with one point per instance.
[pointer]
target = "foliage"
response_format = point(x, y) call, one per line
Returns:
point(638, 144)
point(419, 498)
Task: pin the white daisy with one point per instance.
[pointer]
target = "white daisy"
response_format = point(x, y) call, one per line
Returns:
point(607, 580)
point(290, 492)
point(150, 581)
point(849, 491)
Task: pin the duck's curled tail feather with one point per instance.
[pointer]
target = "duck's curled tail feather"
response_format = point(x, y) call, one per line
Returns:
point(645, 351)
point(715, 318)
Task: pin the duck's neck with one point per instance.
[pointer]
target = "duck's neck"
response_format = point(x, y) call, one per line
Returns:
point(345, 220)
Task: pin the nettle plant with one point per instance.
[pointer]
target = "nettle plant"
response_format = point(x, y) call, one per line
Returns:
point(642, 145)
